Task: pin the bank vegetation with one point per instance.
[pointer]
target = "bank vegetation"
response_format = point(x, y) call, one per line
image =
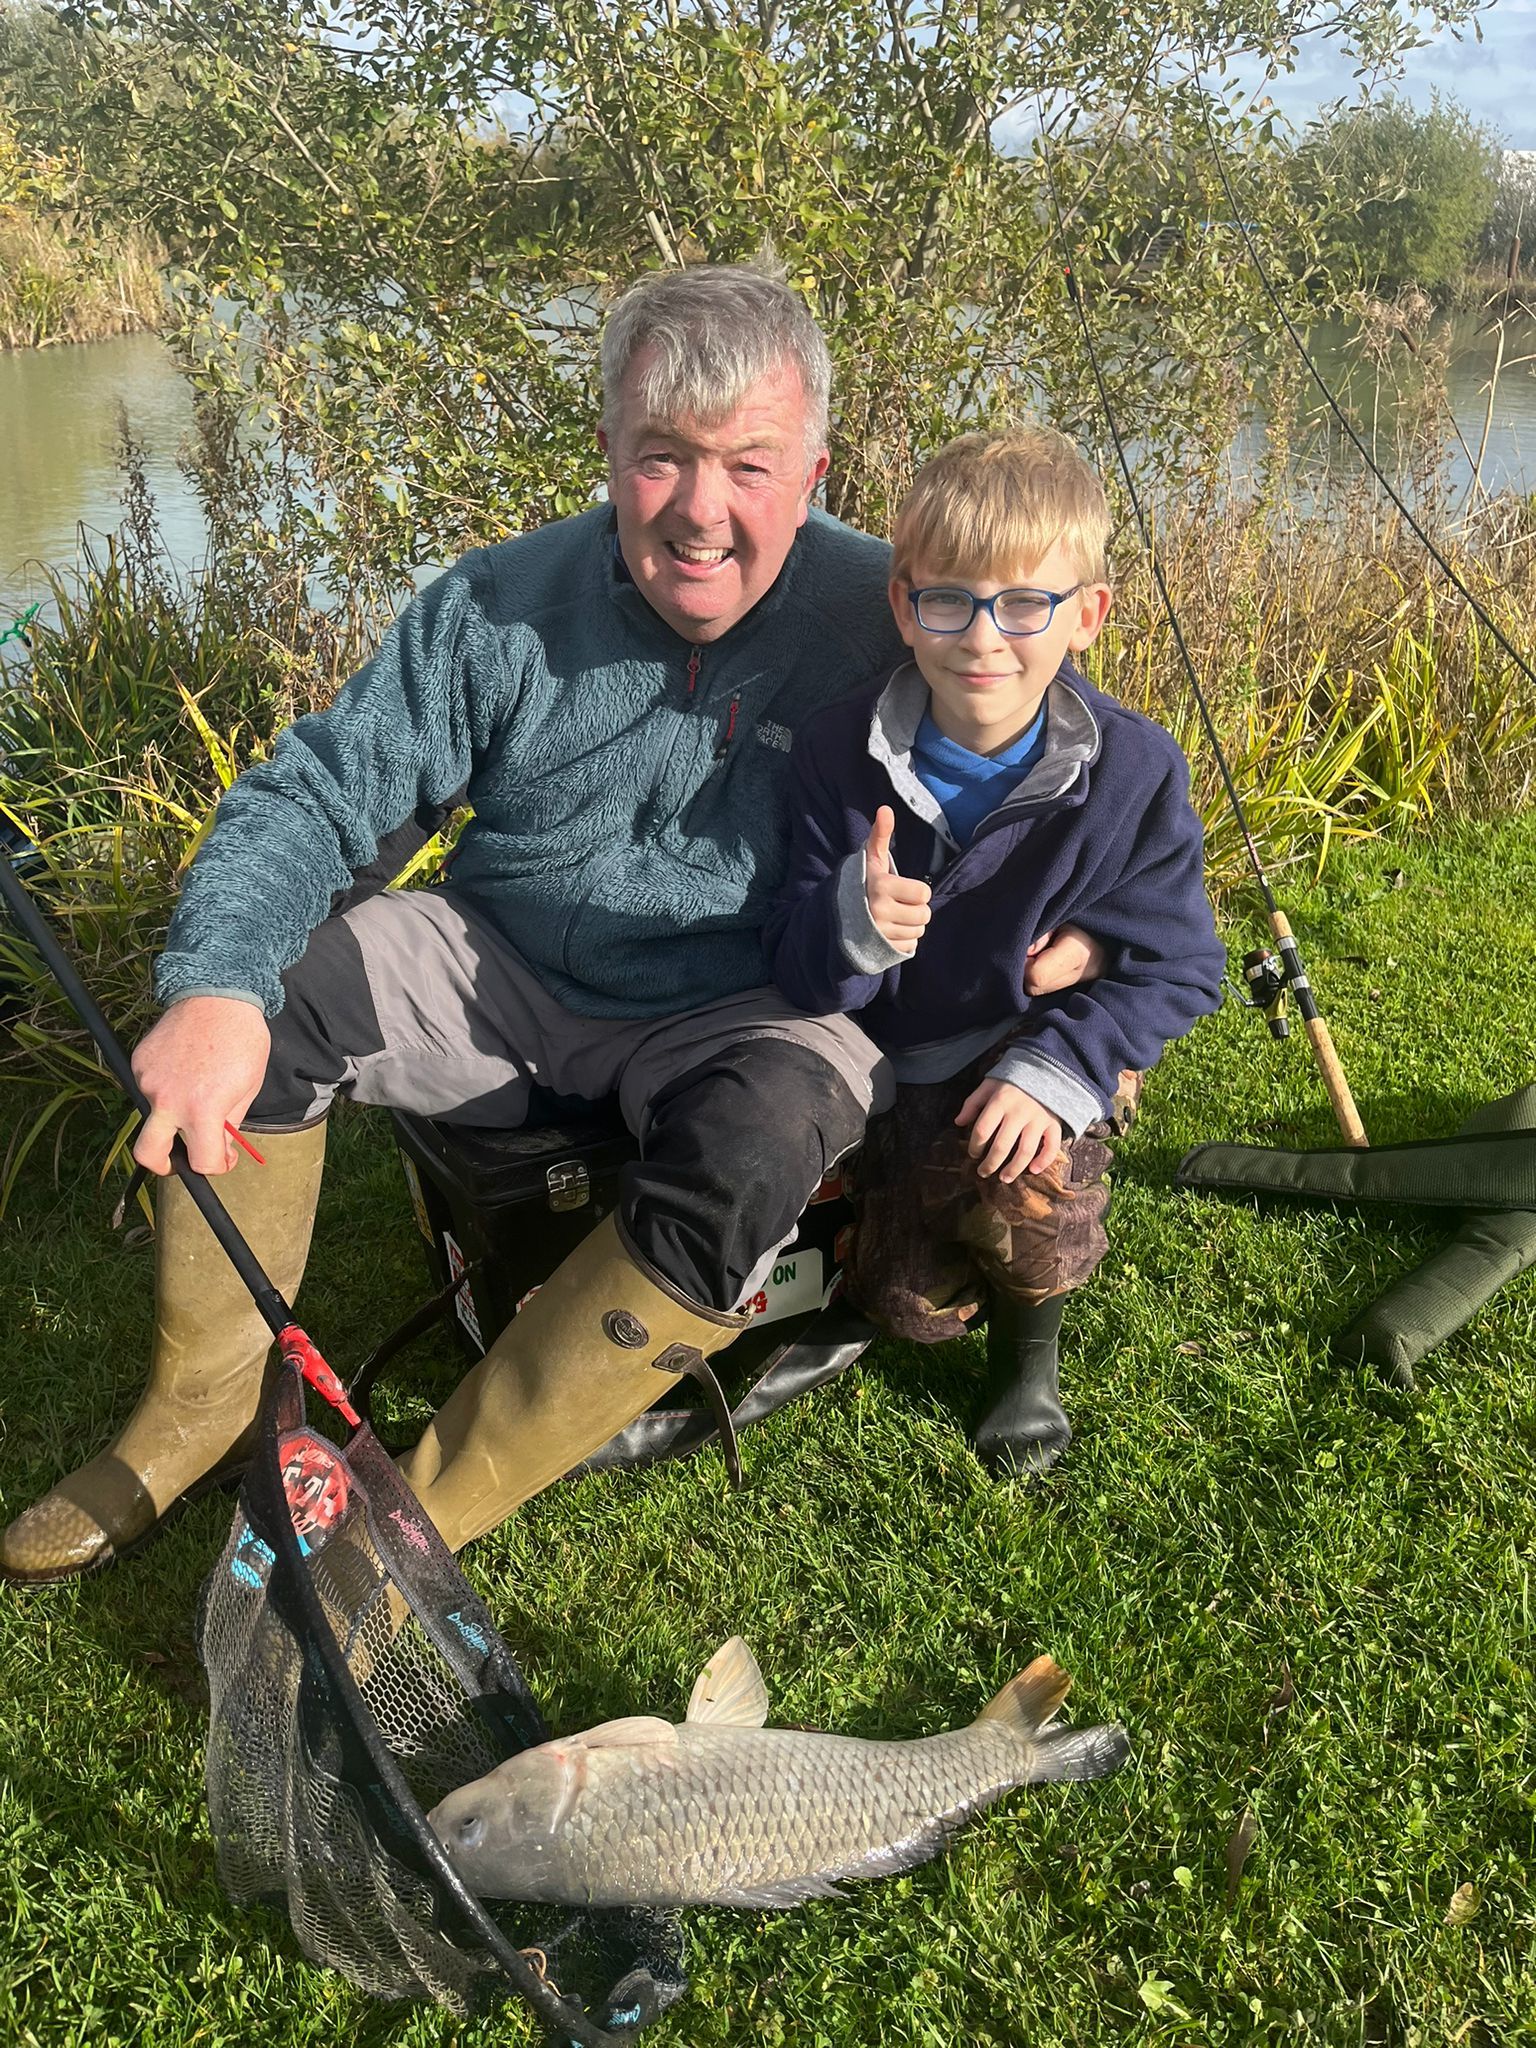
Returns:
point(66, 273)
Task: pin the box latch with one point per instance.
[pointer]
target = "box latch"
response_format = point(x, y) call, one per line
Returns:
point(568, 1184)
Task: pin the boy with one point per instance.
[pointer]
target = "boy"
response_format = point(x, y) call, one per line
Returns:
point(981, 798)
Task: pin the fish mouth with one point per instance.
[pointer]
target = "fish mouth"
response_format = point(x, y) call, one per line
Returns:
point(460, 1836)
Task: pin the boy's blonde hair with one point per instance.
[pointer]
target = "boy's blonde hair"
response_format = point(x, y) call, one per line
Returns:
point(987, 503)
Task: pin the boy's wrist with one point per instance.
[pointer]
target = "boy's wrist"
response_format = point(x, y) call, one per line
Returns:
point(860, 940)
point(1062, 1095)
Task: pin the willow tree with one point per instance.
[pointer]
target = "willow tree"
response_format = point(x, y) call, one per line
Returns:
point(395, 225)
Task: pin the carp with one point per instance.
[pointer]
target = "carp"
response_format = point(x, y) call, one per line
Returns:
point(722, 1811)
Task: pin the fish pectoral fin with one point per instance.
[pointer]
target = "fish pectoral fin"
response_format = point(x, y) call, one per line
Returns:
point(729, 1690)
point(777, 1898)
point(634, 1731)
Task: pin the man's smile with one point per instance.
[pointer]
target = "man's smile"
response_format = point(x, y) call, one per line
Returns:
point(692, 556)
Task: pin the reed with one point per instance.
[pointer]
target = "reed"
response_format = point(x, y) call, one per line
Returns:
point(1355, 696)
point(63, 281)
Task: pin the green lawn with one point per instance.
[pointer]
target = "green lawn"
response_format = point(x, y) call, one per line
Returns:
point(1235, 1508)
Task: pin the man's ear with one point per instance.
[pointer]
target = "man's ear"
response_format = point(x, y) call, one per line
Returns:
point(1096, 600)
point(813, 477)
point(602, 439)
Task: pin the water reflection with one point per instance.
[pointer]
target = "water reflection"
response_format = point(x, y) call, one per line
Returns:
point(59, 412)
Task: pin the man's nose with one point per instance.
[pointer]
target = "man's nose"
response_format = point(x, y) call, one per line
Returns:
point(700, 496)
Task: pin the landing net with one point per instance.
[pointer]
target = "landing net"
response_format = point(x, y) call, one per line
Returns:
point(355, 1678)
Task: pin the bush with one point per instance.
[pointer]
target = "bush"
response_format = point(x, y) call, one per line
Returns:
point(1404, 197)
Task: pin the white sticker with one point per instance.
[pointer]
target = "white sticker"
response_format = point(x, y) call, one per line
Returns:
point(463, 1301)
point(792, 1287)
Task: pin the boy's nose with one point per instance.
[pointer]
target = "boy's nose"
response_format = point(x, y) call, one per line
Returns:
point(981, 635)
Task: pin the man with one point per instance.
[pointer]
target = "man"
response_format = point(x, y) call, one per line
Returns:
point(615, 695)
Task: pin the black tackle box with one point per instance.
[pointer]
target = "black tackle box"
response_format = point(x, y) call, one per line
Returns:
point(511, 1205)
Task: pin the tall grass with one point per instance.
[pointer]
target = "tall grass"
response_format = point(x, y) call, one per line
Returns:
point(1353, 689)
point(62, 280)
point(1354, 693)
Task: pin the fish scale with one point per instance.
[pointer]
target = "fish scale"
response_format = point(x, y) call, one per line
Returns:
point(842, 1804)
point(723, 1811)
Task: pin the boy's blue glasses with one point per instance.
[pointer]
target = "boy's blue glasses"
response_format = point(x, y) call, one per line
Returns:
point(946, 608)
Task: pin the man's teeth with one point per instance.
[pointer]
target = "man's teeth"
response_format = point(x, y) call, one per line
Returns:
point(704, 557)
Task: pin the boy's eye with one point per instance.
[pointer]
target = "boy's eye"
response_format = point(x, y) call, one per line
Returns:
point(940, 610)
point(1022, 610)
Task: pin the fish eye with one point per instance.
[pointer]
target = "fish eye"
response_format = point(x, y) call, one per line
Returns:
point(470, 1831)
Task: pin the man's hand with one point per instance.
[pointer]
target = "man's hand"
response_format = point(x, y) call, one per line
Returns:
point(899, 908)
point(1011, 1133)
point(200, 1066)
point(1062, 959)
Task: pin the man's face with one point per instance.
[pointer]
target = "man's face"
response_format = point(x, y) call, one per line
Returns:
point(987, 685)
point(708, 511)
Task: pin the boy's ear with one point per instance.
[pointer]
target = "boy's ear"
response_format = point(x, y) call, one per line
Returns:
point(898, 591)
point(1094, 601)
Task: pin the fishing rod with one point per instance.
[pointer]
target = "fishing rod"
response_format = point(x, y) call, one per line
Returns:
point(1452, 576)
point(297, 1347)
point(1318, 1034)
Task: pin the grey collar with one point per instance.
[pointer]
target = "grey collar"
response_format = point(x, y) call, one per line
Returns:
point(1072, 740)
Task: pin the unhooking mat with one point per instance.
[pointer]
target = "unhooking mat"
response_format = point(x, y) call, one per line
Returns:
point(1488, 1168)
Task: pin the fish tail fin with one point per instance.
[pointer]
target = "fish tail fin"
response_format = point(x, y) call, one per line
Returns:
point(1028, 1704)
point(1079, 1753)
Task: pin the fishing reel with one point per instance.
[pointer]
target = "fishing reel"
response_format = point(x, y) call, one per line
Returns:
point(1265, 985)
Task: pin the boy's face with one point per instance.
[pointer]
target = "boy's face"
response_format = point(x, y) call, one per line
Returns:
point(987, 685)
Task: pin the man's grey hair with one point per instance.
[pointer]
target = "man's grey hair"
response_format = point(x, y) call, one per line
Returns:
point(713, 330)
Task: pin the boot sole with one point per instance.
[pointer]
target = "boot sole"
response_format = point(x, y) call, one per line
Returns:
point(224, 1479)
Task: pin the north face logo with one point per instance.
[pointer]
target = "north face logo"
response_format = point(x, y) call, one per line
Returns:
point(772, 734)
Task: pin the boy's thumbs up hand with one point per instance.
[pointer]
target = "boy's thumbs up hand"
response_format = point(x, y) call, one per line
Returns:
point(897, 907)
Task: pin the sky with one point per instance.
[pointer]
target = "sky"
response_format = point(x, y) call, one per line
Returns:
point(1495, 79)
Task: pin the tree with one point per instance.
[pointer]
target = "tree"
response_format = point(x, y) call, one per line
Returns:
point(1424, 187)
point(415, 217)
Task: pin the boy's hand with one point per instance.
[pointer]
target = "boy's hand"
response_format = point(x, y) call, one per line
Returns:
point(899, 908)
point(1063, 959)
point(1011, 1133)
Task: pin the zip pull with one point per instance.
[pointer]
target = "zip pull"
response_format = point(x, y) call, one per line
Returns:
point(730, 729)
point(693, 669)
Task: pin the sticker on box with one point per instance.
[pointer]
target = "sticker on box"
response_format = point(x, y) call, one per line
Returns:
point(793, 1286)
point(463, 1301)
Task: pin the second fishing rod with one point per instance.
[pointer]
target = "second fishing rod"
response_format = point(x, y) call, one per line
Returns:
point(1296, 979)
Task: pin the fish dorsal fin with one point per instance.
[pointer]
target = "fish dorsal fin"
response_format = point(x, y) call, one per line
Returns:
point(729, 1690)
point(1027, 1703)
point(634, 1731)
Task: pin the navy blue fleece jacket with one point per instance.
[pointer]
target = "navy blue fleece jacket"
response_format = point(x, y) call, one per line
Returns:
point(630, 790)
point(1099, 834)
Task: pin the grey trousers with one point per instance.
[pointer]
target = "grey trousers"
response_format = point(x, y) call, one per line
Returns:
point(411, 1001)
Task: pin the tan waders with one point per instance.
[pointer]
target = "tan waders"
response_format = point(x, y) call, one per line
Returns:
point(602, 1339)
point(205, 1374)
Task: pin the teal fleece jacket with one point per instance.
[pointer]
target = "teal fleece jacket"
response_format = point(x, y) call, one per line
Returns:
point(630, 790)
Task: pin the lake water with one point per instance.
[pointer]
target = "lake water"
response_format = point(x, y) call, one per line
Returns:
point(60, 409)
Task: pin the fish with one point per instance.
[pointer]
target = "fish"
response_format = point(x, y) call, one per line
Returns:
point(721, 1810)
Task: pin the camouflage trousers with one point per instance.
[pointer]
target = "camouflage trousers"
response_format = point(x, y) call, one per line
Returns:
point(932, 1236)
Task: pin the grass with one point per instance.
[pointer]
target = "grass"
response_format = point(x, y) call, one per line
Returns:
point(1236, 1508)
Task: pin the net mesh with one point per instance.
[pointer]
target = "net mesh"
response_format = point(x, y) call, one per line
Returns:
point(355, 1678)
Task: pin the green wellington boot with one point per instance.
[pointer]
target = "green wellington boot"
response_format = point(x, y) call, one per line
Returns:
point(1023, 1428)
point(603, 1338)
point(205, 1373)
